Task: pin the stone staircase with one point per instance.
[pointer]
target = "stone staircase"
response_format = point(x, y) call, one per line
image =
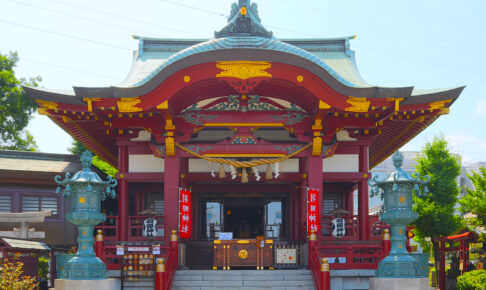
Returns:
point(141, 283)
point(243, 279)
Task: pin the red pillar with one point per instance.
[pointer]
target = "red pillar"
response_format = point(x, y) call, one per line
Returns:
point(99, 245)
point(160, 275)
point(314, 178)
point(442, 265)
point(302, 199)
point(325, 275)
point(386, 243)
point(122, 230)
point(171, 196)
point(363, 208)
point(350, 202)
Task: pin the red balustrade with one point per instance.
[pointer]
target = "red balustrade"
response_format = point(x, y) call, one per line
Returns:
point(352, 228)
point(135, 225)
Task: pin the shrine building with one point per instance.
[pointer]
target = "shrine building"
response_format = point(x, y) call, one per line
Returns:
point(251, 129)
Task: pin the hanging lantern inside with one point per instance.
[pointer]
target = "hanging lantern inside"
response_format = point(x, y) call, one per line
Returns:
point(222, 174)
point(269, 174)
point(244, 176)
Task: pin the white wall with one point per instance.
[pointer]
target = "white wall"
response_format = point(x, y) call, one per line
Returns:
point(145, 163)
point(341, 163)
point(200, 165)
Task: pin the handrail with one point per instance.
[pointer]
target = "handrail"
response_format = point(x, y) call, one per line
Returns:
point(315, 267)
point(171, 266)
point(360, 256)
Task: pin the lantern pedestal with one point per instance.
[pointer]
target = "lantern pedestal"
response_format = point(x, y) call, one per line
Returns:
point(399, 284)
point(105, 284)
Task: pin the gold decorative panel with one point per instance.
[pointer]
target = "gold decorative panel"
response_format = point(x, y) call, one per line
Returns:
point(243, 69)
point(358, 105)
point(127, 105)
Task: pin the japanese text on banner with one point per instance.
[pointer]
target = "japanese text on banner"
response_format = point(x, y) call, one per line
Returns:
point(313, 219)
point(185, 219)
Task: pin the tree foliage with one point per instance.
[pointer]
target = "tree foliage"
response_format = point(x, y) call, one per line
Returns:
point(436, 209)
point(11, 277)
point(474, 280)
point(15, 107)
point(104, 166)
point(475, 200)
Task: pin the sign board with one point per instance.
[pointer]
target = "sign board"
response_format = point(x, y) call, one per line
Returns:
point(286, 256)
point(313, 218)
point(226, 236)
point(120, 250)
point(156, 249)
point(185, 220)
point(138, 249)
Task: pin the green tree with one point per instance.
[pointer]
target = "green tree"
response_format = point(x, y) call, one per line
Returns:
point(99, 163)
point(475, 200)
point(436, 209)
point(15, 107)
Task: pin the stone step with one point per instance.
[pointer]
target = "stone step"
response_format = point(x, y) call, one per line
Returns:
point(242, 283)
point(141, 284)
point(241, 272)
point(271, 277)
point(246, 288)
point(243, 279)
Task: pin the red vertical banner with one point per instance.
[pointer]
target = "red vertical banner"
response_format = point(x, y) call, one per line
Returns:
point(313, 218)
point(185, 208)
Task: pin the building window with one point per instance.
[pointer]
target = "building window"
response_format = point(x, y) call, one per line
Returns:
point(332, 201)
point(39, 203)
point(155, 201)
point(5, 203)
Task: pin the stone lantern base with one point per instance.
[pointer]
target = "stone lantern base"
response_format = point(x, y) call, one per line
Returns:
point(85, 268)
point(398, 266)
point(399, 284)
point(105, 284)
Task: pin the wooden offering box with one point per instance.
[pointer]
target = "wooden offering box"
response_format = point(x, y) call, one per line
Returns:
point(243, 253)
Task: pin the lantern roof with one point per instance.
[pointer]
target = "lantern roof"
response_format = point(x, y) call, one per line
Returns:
point(86, 174)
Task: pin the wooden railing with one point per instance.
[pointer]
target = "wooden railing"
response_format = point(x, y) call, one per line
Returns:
point(359, 256)
point(106, 251)
point(352, 228)
point(171, 265)
point(135, 225)
point(315, 265)
point(343, 257)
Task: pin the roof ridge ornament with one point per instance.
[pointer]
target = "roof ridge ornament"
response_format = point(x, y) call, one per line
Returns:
point(243, 21)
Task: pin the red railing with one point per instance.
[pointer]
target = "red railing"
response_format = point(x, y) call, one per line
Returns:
point(360, 256)
point(112, 261)
point(171, 264)
point(135, 225)
point(107, 253)
point(315, 266)
point(356, 257)
point(352, 228)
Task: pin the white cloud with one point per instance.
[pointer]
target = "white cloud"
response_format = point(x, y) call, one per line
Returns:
point(480, 109)
point(471, 148)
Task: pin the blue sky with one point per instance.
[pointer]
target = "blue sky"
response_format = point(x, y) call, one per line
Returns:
point(426, 44)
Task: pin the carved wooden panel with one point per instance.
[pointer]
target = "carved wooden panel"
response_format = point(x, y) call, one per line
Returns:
point(243, 253)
